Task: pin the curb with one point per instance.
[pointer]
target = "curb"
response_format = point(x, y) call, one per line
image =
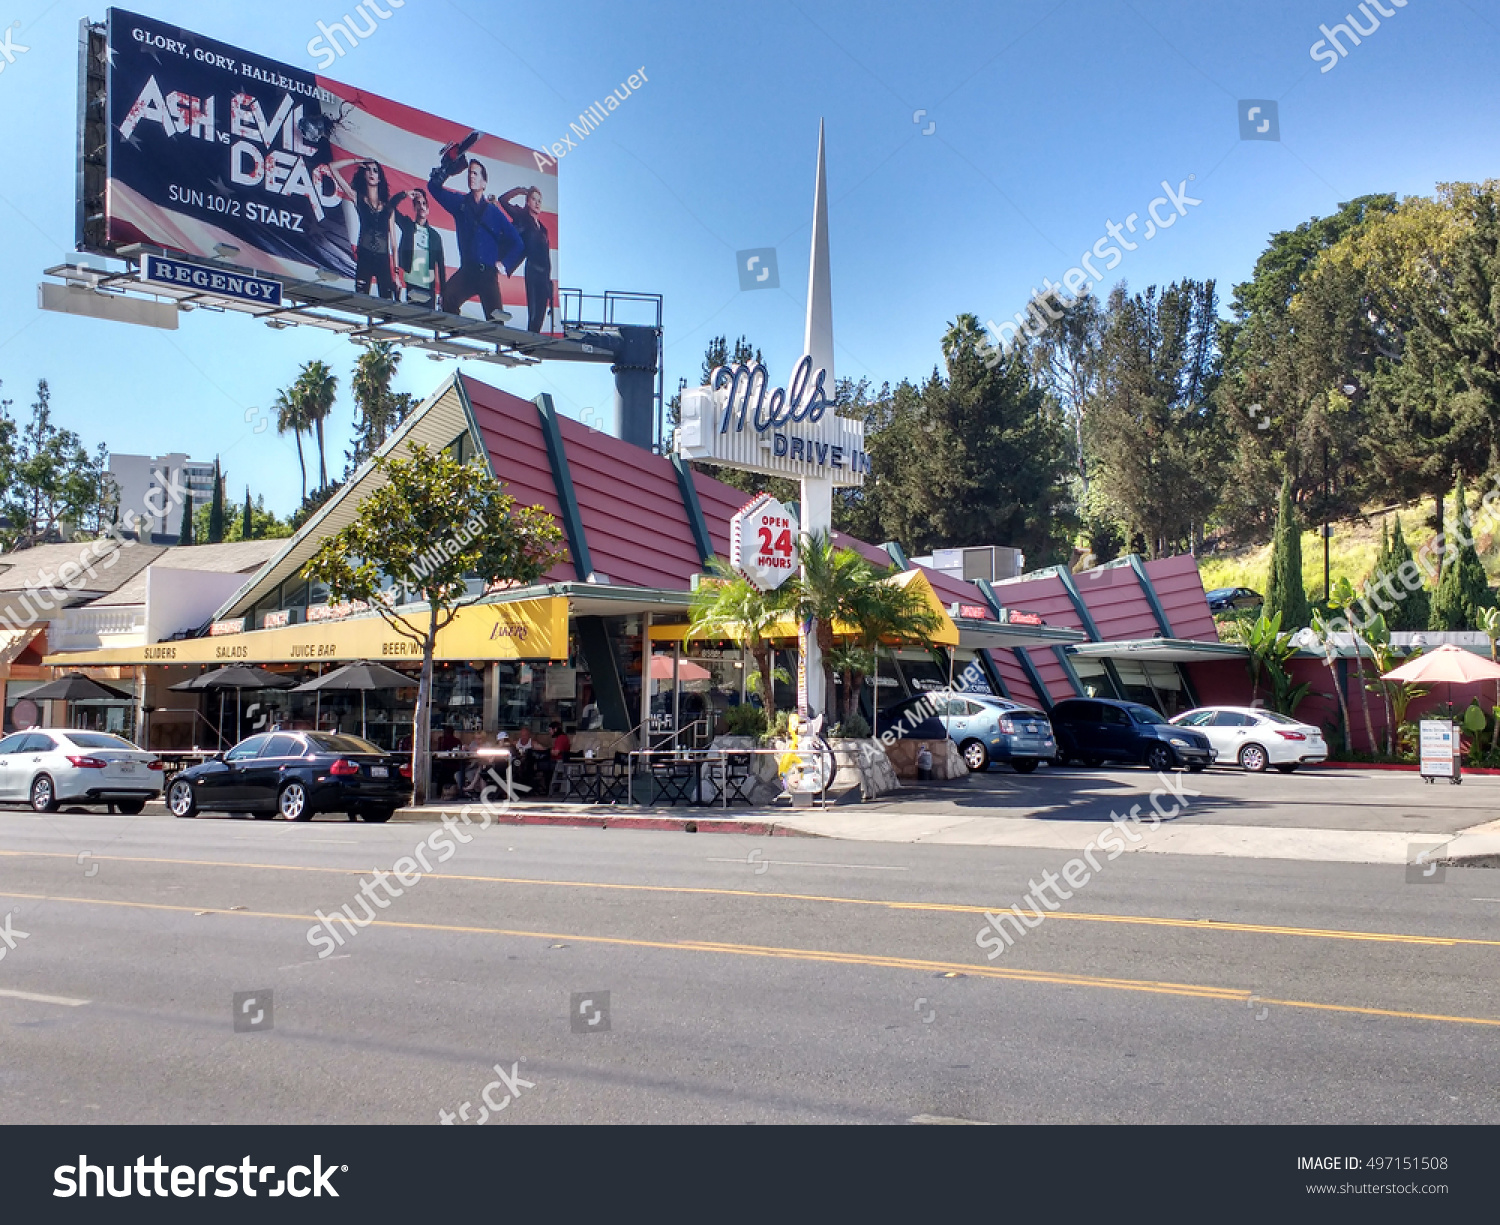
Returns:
point(1404, 767)
point(672, 824)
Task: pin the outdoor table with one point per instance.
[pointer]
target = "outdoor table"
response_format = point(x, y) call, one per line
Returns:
point(175, 761)
point(491, 758)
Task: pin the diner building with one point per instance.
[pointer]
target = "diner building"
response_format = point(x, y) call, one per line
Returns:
point(600, 644)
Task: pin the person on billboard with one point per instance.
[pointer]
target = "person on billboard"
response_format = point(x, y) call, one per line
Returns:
point(369, 195)
point(419, 254)
point(487, 240)
point(527, 218)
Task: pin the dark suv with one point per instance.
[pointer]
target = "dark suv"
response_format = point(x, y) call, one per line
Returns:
point(1096, 730)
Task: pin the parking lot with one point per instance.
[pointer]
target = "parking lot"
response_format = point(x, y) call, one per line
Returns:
point(1314, 798)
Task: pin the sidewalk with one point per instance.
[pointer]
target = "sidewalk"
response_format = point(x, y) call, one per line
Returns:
point(1236, 817)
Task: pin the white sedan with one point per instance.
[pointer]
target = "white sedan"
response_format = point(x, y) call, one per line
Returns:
point(45, 767)
point(1256, 738)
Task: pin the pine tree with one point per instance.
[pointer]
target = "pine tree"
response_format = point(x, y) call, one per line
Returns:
point(185, 530)
point(1285, 593)
point(1413, 610)
point(1463, 589)
point(216, 508)
point(247, 529)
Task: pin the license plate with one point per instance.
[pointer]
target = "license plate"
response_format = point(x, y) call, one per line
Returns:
point(378, 771)
point(1031, 728)
point(126, 767)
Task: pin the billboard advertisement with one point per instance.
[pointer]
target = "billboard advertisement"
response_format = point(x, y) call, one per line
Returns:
point(221, 154)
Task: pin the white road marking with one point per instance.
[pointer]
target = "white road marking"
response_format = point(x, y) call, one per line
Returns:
point(940, 1120)
point(803, 863)
point(297, 965)
point(43, 999)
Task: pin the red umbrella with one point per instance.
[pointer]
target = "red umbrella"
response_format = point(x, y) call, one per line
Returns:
point(687, 670)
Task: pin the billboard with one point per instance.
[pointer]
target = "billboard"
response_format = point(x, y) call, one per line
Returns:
point(223, 155)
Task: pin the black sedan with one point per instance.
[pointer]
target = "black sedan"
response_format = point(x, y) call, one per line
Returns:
point(1222, 599)
point(294, 775)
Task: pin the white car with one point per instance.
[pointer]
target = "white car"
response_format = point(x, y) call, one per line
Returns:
point(45, 767)
point(1256, 738)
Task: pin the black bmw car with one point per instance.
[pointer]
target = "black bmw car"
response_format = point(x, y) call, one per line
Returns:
point(294, 775)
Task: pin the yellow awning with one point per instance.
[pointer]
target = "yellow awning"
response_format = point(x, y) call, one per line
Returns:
point(946, 634)
point(526, 629)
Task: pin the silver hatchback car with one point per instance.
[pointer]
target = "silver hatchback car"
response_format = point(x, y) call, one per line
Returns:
point(45, 767)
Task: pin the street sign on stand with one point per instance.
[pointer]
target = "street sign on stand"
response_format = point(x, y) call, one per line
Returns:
point(1440, 746)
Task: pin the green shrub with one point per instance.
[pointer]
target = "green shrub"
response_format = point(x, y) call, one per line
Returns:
point(745, 719)
point(855, 727)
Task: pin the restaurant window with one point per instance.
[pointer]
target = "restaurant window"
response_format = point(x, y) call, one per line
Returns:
point(1093, 677)
point(1154, 684)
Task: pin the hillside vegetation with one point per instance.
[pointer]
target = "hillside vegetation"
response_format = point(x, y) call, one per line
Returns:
point(1352, 550)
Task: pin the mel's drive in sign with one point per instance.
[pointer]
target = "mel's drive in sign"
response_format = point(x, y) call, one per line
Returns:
point(220, 154)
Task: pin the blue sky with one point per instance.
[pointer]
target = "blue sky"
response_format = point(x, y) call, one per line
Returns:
point(1050, 119)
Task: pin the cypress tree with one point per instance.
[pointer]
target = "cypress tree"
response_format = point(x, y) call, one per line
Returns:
point(246, 527)
point(185, 530)
point(1413, 610)
point(216, 508)
point(1463, 587)
point(1285, 593)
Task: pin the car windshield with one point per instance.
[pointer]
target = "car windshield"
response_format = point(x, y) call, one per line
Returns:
point(1144, 714)
point(98, 740)
point(326, 743)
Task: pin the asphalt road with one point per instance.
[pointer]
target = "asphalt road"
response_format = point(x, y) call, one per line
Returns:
point(748, 979)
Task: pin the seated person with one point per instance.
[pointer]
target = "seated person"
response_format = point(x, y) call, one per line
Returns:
point(561, 750)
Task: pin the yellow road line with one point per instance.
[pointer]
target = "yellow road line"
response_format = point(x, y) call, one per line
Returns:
point(1209, 925)
point(1236, 995)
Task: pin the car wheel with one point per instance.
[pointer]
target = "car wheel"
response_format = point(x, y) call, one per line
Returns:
point(1287, 769)
point(1023, 765)
point(975, 756)
point(43, 797)
point(1253, 759)
point(130, 808)
point(377, 816)
point(1160, 758)
point(293, 803)
point(181, 802)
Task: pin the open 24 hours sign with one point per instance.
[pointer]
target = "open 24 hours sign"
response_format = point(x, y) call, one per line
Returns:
point(763, 542)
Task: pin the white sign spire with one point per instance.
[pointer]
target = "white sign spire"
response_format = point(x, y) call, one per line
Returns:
point(817, 340)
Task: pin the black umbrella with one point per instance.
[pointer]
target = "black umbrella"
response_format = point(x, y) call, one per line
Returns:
point(76, 687)
point(363, 676)
point(236, 677)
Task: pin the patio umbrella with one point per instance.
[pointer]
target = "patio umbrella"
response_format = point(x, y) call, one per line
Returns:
point(75, 687)
point(1448, 665)
point(363, 676)
point(237, 677)
point(687, 670)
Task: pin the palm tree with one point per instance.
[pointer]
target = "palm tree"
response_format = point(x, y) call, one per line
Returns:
point(319, 387)
point(727, 605)
point(886, 611)
point(291, 419)
point(376, 410)
point(828, 591)
point(1324, 634)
